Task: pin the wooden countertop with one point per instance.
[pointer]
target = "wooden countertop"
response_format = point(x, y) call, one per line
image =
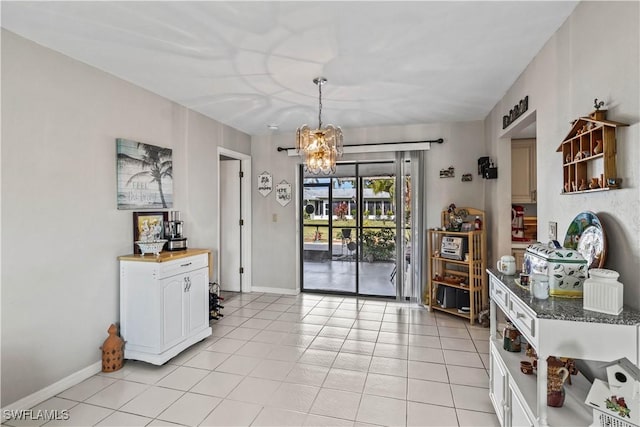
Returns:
point(165, 255)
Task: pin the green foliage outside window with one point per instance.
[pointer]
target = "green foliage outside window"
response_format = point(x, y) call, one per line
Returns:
point(378, 245)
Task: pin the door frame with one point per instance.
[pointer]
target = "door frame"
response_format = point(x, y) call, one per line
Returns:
point(245, 213)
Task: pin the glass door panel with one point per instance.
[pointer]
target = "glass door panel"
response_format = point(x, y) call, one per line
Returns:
point(378, 230)
point(329, 258)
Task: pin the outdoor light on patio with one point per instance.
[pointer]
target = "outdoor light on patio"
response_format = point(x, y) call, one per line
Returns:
point(319, 148)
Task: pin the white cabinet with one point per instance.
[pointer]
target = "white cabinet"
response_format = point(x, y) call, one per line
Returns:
point(163, 304)
point(557, 327)
point(523, 171)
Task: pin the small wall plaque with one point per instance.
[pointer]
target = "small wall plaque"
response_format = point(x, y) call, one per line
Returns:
point(265, 183)
point(283, 193)
point(450, 172)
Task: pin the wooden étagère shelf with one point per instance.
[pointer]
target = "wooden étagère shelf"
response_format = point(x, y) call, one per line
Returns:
point(468, 272)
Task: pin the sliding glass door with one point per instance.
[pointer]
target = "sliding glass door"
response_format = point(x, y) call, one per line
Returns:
point(356, 229)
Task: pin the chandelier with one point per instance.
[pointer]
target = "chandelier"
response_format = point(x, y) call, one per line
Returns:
point(319, 148)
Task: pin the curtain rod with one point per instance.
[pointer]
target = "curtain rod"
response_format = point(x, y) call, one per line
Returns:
point(433, 141)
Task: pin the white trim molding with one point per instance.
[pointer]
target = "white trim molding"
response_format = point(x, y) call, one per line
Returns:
point(50, 391)
point(270, 290)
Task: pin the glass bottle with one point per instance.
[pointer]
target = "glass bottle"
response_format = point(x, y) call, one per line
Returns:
point(478, 223)
point(511, 338)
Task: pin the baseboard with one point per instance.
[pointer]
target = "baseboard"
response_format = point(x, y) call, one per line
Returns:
point(50, 391)
point(269, 290)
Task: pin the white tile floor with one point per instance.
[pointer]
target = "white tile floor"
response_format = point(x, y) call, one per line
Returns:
point(307, 360)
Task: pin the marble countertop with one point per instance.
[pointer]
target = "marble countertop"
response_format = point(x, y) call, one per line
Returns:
point(564, 308)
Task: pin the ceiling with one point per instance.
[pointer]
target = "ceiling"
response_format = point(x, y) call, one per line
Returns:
point(251, 64)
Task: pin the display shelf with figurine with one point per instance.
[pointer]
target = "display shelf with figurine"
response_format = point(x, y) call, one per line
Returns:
point(589, 154)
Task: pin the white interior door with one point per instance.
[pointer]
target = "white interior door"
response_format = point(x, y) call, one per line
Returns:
point(230, 238)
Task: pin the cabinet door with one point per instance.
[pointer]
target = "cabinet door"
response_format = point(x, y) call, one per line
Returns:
point(497, 385)
point(523, 171)
point(173, 291)
point(519, 416)
point(197, 301)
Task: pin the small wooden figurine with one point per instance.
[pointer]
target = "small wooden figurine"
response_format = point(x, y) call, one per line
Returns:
point(583, 185)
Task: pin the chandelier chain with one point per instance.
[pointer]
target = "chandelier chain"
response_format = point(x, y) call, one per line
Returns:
point(320, 105)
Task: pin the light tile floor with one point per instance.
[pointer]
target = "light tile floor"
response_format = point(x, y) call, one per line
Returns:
point(306, 360)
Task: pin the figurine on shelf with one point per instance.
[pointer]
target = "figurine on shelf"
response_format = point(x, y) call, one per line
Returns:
point(456, 217)
point(594, 183)
point(597, 105)
point(598, 148)
point(578, 156)
point(614, 182)
point(574, 186)
point(568, 158)
point(583, 185)
point(567, 187)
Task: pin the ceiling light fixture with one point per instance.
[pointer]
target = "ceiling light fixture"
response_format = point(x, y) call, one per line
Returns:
point(319, 148)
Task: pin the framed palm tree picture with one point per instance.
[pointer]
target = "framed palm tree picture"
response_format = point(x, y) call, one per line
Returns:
point(145, 175)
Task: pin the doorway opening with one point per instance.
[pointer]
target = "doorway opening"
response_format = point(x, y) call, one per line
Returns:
point(524, 223)
point(234, 221)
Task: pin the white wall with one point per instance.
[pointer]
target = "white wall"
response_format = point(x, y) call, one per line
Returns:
point(274, 243)
point(595, 54)
point(61, 230)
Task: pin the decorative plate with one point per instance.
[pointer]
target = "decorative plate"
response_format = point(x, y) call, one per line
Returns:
point(594, 246)
point(591, 246)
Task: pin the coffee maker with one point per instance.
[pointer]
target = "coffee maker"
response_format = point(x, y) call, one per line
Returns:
point(173, 232)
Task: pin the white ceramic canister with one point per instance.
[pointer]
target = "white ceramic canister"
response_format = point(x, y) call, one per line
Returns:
point(603, 292)
point(540, 286)
point(507, 265)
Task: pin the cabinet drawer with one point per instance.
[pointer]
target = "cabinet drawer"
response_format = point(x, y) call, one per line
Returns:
point(500, 295)
point(183, 265)
point(524, 319)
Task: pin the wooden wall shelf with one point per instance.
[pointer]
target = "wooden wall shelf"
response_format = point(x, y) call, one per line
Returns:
point(588, 153)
